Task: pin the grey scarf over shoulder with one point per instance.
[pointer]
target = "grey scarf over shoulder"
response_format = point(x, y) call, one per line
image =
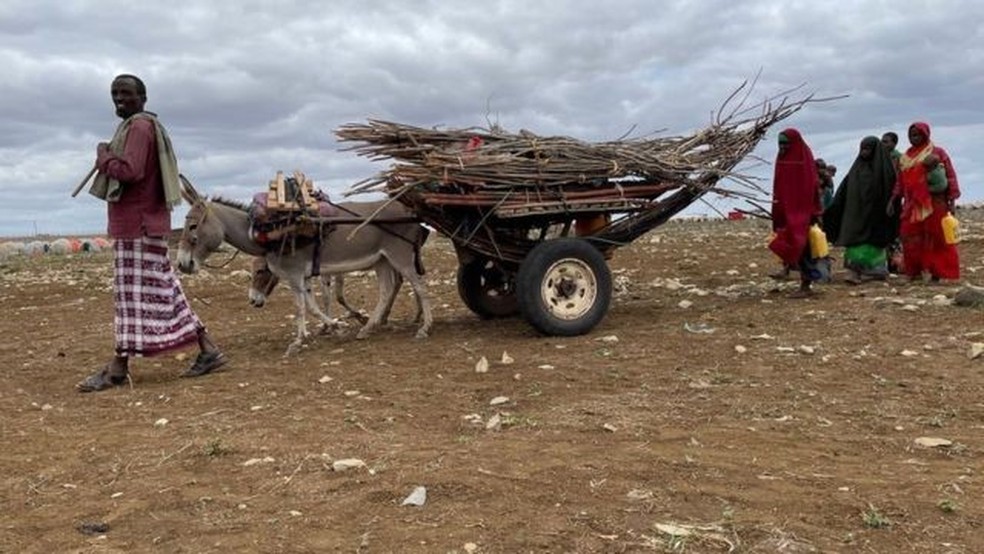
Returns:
point(110, 189)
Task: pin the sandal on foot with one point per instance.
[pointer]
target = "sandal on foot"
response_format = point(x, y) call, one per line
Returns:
point(205, 363)
point(101, 380)
point(800, 293)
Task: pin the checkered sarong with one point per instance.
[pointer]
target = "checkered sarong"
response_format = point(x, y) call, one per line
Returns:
point(152, 313)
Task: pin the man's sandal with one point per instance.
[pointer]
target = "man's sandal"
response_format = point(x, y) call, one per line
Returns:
point(101, 380)
point(205, 363)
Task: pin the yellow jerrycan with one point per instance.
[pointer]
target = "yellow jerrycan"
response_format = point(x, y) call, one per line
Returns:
point(818, 242)
point(951, 228)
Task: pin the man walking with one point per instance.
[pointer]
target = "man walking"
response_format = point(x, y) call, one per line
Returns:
point(138, 179)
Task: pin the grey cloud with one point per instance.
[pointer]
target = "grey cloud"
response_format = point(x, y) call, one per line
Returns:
point(246, 88)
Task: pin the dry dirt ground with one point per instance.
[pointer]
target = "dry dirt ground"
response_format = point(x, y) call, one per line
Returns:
point(707, 413)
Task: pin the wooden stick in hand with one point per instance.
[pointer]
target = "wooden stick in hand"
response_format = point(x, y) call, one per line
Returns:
point(85, 180)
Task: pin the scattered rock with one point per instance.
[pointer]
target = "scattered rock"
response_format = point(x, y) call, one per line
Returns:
point(933, 442)
point(684, 304)
point(969, 297)
point(976, 350)
point(698, 328)
point(740, 349)
point(608, 339)
point(498, 400)
point(255, 461)
point(941, 300)
point(909, 353)
point(325, 379)
point(482, 366)
point(672, 284)
point(471, 547)
point(506, 358)
point(609, 427)
point(494, 423)
point(347, 464)
point(806, 349)
point(93, 527)
point(161, 422)
point(416, 498)
point(763, 336)
point(673, 530)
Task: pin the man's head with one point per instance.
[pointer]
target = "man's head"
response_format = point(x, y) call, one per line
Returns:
point(831, 169)
point(890, 140)
point(129, 95)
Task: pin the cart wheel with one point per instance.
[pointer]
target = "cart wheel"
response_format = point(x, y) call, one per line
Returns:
point(487, 289)
point(564, 287)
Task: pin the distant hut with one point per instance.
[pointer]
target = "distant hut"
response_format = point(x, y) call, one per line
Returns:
point(10, 249)
point(60, 247)
point(34, 248)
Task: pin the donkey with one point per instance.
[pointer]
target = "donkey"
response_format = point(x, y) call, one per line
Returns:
point(210, 222)
point(263, 280)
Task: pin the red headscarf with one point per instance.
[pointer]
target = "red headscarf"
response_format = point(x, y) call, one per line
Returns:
point(795, 198)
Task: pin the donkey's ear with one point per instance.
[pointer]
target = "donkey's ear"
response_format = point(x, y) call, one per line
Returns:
point(188, 191)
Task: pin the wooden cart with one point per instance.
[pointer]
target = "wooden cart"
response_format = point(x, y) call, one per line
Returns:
point(532, 228)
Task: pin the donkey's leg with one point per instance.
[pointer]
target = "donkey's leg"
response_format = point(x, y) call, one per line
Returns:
point(300, 300)
point(397, 283)
point(327, 323)
point(405, 265)
point(338, 289)
point(386, 283)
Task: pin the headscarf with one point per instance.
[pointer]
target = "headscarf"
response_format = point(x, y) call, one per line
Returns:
point(916, 154)
point(915, 189)
point(795, 197)
point(857, 215)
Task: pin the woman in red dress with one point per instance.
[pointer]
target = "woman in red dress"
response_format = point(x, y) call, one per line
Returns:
point(926, 199)
point(796, 206)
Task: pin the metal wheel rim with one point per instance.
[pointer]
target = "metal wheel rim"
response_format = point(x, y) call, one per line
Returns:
point(569, 289)
point(489, 289)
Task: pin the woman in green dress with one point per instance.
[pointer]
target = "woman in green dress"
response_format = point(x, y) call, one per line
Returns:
point(857, 219)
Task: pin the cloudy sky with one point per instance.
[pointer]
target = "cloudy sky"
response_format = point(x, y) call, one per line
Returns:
point(247, 87)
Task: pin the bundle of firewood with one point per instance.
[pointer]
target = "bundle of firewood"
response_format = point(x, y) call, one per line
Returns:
point(448, 174)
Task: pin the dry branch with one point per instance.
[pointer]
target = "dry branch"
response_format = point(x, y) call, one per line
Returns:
point(458, 180)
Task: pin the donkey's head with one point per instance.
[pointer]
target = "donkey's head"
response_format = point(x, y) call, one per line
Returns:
point(202, 233)
point(262, 283)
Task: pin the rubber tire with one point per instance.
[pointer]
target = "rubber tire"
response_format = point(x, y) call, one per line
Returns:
point(473, 293)
point(533, 272)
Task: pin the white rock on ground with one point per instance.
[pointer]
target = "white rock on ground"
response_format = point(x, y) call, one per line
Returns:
point(416, 498)
point(347, 464)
